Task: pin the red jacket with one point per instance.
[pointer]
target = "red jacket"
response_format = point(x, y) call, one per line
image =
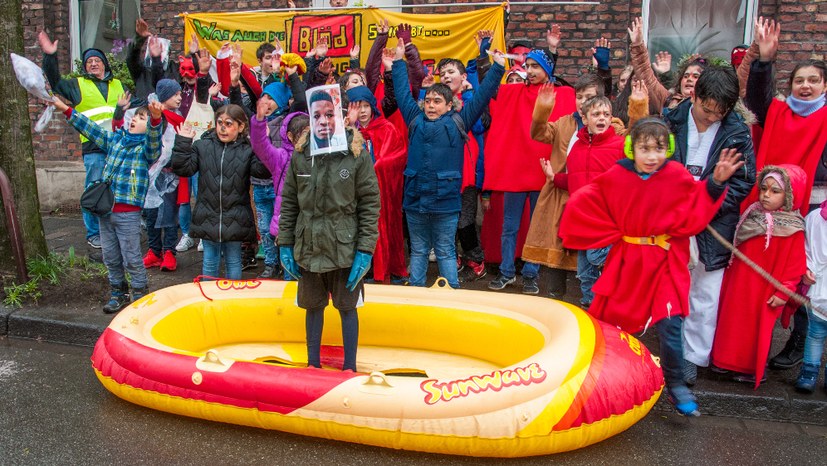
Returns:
point(590, 156)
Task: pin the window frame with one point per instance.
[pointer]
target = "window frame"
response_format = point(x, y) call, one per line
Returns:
point(749, 20)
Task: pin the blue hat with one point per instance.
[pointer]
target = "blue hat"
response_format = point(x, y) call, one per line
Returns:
point(542, 59)
point(362, 93)
point(280, 93)
point(89, 53)
point(166, 88)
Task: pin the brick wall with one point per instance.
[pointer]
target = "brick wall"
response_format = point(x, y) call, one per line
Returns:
point(804, 36)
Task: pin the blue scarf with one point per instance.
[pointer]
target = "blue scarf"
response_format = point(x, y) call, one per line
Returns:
point(805, 108)
point(130, 140)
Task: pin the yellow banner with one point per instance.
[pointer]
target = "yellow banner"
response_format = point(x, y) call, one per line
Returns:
point(435, 35)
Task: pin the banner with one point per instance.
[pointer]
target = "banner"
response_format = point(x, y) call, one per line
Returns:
point(435, 35)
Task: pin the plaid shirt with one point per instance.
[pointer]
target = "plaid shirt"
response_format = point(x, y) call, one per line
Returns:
point(127, 160)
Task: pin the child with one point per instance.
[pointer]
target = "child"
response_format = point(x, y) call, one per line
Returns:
point(389, 154)
point(327, 235)
point(646, 207)
point(596, 149)
point(433, 175)
point(161, 206)
point(771, 233)
point(274, 153)
point(224, 161)
point(816, 247)
point(129, 154)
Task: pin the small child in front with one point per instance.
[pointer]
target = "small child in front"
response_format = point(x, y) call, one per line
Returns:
point(646, 208)
point(816, 277)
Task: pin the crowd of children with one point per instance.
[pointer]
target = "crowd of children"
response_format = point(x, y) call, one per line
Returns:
point(634, 203)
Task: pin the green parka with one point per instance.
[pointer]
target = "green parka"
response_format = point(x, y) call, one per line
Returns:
point(330, 206)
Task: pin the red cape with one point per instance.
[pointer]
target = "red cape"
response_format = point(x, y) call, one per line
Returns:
point(510, 153)
point(789, 138)
point(640, 284)
point(390, 154)
point(745, 321)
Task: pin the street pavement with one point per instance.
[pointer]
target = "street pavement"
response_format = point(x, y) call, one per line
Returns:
point(775, 400)
point(54, 411)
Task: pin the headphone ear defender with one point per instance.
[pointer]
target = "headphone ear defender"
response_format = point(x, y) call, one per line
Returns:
point(671, 149)
point(627, 147)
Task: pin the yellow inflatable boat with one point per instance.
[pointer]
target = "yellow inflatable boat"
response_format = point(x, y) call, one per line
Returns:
point(440, 370)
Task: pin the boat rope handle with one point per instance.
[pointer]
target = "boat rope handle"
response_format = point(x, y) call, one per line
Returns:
point(377, 378)
point(441, 282)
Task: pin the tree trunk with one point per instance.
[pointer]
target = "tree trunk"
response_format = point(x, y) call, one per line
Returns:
point(16, 155)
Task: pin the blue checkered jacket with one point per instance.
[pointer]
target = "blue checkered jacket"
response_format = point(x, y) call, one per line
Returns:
point(128, 157)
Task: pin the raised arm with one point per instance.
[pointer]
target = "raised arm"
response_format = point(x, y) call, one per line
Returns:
point(641, 65)
point(760, 83)
point(274, 158)
point(101, 137)
point(472, 111)
point(184, 154)
point(374, 62)
point(406, 102)
point(416, 72)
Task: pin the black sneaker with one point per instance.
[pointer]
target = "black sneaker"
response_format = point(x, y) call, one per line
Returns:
point(500, 282)
point(249, 263)
point(530, 286)
point(270, 271)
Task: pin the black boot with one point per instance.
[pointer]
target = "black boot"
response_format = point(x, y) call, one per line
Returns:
point(791, 355)
point(118, 300)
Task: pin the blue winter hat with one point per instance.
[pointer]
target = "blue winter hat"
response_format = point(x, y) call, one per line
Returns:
point(542, 59)
point(362, 93)
point(89, 53)
point(280, 93)
point(166, 88)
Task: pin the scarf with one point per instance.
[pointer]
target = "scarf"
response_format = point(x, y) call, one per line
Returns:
point(759, 222)
point(805, 108)
point(130, 140)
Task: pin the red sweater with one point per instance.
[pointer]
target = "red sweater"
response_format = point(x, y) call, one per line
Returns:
point(590, 156)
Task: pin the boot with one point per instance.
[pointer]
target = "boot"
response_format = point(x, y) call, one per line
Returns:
point(118, 299)
point(807, 379)
point(791, 355)
point(138, 293)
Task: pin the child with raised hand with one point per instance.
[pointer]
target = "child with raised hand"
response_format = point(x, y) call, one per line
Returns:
point(771, 233)
point(274, 152)
point(224, 161)
point(816, 278)
point(129, 153)
point(646, 207)
point(433, 175)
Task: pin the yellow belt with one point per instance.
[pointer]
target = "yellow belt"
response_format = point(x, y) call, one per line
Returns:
point(659, 240)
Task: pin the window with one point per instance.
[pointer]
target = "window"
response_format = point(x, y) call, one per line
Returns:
point(709, 27)
point(102, 24)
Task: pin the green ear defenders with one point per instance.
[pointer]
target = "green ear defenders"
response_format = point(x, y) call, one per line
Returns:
point(629, 150)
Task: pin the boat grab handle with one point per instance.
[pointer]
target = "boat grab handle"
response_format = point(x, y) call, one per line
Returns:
point(377, 378)
point(441, 283)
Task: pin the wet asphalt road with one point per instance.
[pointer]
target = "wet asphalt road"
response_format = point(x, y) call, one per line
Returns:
point(53, 410)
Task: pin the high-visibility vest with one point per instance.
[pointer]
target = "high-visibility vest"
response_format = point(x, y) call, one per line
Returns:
point(94, 106)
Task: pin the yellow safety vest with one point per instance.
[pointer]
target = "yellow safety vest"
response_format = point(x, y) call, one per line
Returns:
point(93, 106)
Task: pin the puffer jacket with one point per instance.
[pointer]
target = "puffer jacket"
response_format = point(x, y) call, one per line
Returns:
point(591, 156)
point(330, 206)
point(733, 133)
point(222, 209)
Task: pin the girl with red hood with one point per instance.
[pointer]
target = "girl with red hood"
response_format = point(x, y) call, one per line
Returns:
point(771, 233)
point(390, 154)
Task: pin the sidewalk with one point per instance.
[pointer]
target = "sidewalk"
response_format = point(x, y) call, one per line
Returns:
point(775, 400)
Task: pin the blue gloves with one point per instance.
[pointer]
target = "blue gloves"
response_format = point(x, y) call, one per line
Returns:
point(288, 263)
point(361, 264)
point(601, 54)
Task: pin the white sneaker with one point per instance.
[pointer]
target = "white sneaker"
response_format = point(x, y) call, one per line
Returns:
point(201, 245)
point(185, 243)
point(432, 256)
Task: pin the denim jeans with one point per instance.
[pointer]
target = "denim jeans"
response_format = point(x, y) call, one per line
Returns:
point(120, 235)
point(671, 351)
point(513, 206)
point(264, 198)
point(314, 323)
point(231, 250)
point(816, 334)
point(159, 239)
point(433, 231)
point(93, 163)
point(588, 270)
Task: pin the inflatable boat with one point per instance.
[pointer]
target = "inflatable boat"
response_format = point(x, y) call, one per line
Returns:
point(439, 370)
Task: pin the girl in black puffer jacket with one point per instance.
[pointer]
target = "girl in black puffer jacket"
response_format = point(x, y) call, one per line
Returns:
point(224, 159)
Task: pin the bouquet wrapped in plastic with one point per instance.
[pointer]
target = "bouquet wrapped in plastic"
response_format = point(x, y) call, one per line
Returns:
point(31, 78)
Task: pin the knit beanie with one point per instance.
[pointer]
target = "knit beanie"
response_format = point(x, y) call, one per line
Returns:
point(280, 93)
point(362, 93)
point(89, 53)
point(545, 62)
point(166, 88)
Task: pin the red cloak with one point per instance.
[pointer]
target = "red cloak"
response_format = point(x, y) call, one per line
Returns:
point(511, 156)
point(640, 284)
point(745, 320)
point(791, 139)
point(390, 153)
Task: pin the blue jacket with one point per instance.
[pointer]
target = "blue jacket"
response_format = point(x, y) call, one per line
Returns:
point(733, 133)
point(433, 175)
